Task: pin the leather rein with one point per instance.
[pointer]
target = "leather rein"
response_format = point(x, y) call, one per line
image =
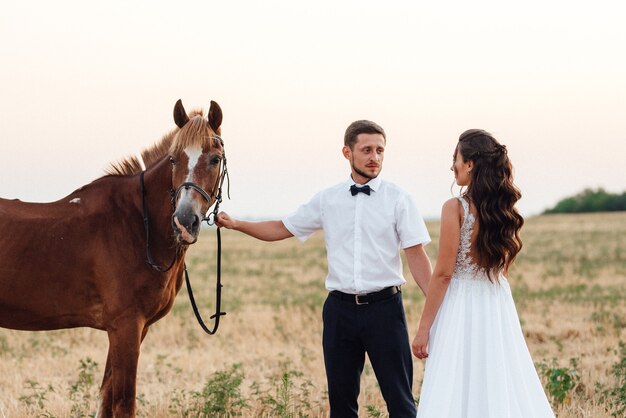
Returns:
point(210, 220)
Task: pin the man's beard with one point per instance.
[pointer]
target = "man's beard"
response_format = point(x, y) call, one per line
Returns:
point(363, 173)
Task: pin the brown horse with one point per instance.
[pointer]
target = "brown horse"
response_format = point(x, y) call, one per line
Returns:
point(82, 261)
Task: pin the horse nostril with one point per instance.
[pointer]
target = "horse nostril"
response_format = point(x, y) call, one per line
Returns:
point(195, 224)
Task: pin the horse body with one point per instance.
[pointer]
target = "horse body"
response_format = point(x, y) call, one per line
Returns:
point(81, 261)
point(72, 263)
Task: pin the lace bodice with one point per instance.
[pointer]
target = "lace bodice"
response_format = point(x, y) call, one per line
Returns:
point(464, 266)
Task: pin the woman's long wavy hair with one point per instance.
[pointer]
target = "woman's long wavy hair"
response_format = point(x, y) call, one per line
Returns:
point(494, 195)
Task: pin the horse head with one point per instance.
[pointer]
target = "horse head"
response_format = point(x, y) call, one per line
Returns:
point(198, 168)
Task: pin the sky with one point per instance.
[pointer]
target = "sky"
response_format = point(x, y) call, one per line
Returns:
point(84, 84)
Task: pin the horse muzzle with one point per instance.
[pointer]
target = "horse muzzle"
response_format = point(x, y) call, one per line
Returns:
point(186, 225)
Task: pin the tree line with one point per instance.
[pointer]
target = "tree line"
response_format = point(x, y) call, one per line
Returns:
point(590, 200)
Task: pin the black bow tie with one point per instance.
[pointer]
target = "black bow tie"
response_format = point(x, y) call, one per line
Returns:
point(365, 189)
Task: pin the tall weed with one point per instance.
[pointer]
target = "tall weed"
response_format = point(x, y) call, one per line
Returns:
point(286, 398)
point(81, 392)
point(614, 397)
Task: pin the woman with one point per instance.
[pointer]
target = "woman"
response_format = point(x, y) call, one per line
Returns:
point(478, 363)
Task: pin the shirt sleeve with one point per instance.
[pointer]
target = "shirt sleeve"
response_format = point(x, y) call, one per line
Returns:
point(306, 219)
point(410, 225)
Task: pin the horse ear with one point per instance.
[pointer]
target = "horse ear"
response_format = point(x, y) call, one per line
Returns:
point(180, 115)
point(215, 116)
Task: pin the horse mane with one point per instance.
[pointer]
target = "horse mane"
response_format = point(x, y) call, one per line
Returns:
point(195, 132)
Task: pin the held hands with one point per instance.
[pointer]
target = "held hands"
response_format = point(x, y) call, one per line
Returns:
point(420, 344)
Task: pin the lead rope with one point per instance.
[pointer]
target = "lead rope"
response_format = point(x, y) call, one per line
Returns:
point(218, 287)
point(218, 292)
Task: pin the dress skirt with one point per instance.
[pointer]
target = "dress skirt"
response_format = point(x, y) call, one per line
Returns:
point(479, 365)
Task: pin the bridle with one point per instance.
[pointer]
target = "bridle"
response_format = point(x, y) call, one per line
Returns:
point(216, 194)
point(219, 182)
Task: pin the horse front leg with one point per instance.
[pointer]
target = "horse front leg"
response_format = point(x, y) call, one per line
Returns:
point(118, 388)
point(104, 409)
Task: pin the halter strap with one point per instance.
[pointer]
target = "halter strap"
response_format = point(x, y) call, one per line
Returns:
point(146, 226)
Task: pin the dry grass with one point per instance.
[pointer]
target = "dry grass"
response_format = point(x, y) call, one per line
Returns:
point(569, 284)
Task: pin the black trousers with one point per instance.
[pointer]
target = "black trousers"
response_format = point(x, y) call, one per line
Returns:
point(378, 329)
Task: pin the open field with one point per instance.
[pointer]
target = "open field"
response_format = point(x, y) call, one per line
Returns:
point(569, 284)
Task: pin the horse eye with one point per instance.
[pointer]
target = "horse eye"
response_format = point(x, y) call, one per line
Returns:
point(215, 160)
point(172, 160)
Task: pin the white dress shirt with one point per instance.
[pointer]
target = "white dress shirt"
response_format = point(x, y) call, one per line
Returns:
point(363, 234)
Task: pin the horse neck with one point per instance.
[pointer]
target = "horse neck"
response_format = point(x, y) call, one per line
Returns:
point(158, 205)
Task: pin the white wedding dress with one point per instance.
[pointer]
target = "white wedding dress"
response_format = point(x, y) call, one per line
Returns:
point(478, 364)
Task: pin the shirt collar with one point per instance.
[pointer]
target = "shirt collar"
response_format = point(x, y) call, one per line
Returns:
point(374, 183)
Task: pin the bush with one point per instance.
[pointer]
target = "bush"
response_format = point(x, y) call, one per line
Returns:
point(591, 201)
point(560, 380)
point(220, 397)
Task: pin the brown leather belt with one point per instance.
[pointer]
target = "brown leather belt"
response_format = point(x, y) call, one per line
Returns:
point(367, 298)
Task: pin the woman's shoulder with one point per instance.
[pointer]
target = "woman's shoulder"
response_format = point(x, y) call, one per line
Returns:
point(451, 205)
point(452, 210)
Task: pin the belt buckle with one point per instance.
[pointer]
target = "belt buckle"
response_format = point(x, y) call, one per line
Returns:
point(356, 299)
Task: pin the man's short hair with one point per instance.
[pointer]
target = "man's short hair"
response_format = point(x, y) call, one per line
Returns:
point(361, 127)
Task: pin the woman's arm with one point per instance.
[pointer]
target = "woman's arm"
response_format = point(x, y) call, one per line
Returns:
point(444, 267)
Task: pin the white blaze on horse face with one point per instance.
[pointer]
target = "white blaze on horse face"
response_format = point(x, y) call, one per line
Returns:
point(193, 154)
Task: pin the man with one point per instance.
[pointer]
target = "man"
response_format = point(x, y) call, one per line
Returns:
point(366, 221)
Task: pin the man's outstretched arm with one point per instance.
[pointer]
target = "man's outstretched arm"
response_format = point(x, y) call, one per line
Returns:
point(264, 230)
